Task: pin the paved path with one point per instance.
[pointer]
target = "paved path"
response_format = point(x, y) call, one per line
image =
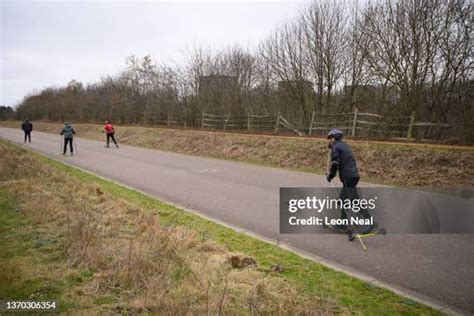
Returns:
point(439, 267)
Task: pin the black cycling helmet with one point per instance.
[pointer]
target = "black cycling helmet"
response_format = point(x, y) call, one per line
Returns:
point(336, 133)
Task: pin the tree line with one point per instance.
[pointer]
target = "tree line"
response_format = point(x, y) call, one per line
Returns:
point(390, 57)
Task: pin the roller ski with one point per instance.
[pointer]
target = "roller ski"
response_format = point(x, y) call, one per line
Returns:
point(352, 235)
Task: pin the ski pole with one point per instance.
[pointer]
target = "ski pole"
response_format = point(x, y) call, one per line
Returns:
point(75, 146)
point(332, 185)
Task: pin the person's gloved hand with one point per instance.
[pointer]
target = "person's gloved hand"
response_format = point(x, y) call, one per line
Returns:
point(329, 177)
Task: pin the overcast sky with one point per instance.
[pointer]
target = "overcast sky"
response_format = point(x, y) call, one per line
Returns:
point(48, 43)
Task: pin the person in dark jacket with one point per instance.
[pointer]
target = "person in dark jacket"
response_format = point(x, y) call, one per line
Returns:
point(68, 133)
point(27, 128)
point(343, 160)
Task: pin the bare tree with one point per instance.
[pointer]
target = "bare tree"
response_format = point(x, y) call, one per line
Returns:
point(325, 29)
point(140, 74)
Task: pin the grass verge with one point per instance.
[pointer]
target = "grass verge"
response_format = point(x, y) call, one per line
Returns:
point(103, 248)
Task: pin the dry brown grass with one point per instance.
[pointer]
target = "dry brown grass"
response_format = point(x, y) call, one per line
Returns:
point(119, 258)
point(415, 165)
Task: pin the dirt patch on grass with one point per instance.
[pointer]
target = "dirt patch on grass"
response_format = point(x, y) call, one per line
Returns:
point(428, 166)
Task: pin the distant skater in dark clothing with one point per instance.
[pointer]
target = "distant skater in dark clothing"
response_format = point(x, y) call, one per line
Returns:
point(68, 133)
point(27, 128)
point(109, 131)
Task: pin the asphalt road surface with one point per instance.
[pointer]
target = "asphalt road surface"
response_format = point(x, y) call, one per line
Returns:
point(438, 267)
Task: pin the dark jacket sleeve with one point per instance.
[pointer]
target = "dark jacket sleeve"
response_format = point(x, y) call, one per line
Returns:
point(335, 162)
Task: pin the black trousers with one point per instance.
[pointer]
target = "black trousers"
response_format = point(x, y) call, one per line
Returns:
point(68, 141)
point(109, 136)
point(349, 191)
point(28, 135)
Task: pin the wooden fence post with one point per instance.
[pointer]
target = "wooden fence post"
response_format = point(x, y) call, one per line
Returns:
point(248, 121)
point(202, 120)
point(410, 127)
point(168, 119)
point(155, 119)
point(277, 122)
point(354, 123)
point(311, 124)
point(226, 121)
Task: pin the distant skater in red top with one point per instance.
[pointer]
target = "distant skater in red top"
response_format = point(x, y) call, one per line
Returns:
point(109, 131)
